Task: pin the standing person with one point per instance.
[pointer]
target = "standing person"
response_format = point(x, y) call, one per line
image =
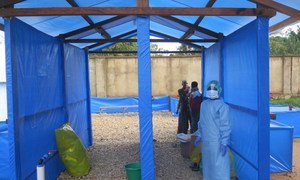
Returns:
point(214, 129)
point(195, 102)
point(183, 105)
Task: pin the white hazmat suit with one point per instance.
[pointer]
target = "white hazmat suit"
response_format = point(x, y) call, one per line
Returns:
point(214, 129)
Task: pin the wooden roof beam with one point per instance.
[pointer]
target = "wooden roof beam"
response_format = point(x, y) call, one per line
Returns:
point(8, 3)
point(142, 3)
point(190, 31)
point(90, 27)
point(284, 23)
point(135, 40)
point(118, 37)
point(162, 35)
point(279, 7)
point(71, 11)
point(193, 27)
point(99, 29)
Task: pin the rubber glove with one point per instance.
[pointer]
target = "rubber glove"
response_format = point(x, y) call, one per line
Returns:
point(223, 149)
point(197, 141)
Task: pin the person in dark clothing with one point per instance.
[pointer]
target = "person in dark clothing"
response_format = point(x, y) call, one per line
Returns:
point(195, 102)
point(183, 105)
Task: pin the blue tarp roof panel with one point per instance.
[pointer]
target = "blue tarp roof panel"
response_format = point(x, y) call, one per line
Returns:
point(55, 25)
point(178, 3)
point(234, 4)
point(292, 3)
point(278, 18)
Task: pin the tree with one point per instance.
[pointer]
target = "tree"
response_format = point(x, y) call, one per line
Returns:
point(129, 46)
point(184, 47)
point(289, 45)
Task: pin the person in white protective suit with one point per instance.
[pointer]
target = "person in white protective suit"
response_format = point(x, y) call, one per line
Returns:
point(214, 132)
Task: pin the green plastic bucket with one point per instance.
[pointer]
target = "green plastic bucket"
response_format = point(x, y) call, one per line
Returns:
point(133, 171)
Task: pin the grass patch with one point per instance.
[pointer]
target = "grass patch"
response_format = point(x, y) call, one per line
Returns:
point(295, 101)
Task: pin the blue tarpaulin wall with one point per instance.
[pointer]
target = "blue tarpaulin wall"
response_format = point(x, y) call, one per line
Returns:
point(244, 75)
point(173, 106)
point(118, 104)
point(291, 118)
point(212, 65)
point(47, 85)
point(4, 151)
point(281, 147)
point(145, 98)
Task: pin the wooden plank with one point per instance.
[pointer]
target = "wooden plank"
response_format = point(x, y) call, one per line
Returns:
point(162, 35)
point(90, 27)
point(193, 27)
point(99, 29)
point(119, 37)
point(142, 3)
point(190, 31)
point(278, 7)
point(135, 40)
point(70, 11)
point(284, 23)
point(8, 3)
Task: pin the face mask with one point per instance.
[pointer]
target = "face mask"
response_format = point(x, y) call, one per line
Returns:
point(212, 94)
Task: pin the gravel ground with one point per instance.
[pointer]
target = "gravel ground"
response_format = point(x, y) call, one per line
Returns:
point(116, 142)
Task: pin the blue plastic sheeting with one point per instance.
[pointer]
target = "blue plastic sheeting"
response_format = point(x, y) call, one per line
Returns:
point(291, 118)
point(281, 147)
point(38, 101)
point(126, 104)
point(249, 112)
point(4, 151)
point(55, 25)
point(77, 92)
point(145, 99)
point(212, 68)
point(173, 106)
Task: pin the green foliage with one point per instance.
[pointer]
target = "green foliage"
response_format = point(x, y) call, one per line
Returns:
point(128, 46)
point(183, 47)
point(295, 101)
point(289, 45)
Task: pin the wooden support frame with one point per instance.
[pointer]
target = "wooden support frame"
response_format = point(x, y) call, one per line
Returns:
point(99, 29)
point(193, 27)
point(284, 23)
point(190, 31)
point(162, 35)
point(90, 27)
point(118, 37)
point(135, 40)
point(70, 11)
point(142, 3)
point(278, 7)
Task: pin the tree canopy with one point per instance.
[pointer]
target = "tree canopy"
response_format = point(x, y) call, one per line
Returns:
point(286, 45)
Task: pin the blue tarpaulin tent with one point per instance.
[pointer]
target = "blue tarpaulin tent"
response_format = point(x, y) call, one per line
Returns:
point(48, 83)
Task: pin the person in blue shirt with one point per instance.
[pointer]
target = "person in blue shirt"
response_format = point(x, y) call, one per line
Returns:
point(214, 132)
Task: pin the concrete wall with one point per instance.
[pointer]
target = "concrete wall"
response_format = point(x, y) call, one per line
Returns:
point(117, 76)
point(285, 75)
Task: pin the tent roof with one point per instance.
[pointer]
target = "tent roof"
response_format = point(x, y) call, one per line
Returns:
point(100, 31)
